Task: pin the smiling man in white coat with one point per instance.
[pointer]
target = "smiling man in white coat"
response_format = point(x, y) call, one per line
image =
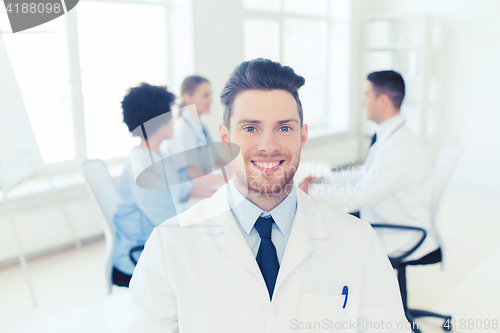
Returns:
point(394, 185)
point(260, 255)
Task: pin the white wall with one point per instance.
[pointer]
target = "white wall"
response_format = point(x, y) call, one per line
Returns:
point(470, 98)
point(218, 39)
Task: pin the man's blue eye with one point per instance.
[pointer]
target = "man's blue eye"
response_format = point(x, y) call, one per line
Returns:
point(250, 129)
point(288, 128)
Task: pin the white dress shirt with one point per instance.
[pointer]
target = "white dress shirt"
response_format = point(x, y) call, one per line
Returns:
point(393, 186)
point(248, 213)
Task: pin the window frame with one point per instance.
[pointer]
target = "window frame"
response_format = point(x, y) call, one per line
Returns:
point(75, 80)
point(72, 43)
point(317, 135)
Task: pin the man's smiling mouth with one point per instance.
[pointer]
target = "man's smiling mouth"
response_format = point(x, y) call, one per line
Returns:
point(268, 165)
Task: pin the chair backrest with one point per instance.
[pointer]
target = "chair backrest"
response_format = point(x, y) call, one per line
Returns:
point(104, 191)
point(443, 169)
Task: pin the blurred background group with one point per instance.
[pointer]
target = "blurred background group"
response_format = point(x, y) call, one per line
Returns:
point(74, 73)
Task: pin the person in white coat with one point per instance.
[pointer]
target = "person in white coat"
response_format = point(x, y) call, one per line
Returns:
point(394, 185)
point(190, 133)
point(260, 255)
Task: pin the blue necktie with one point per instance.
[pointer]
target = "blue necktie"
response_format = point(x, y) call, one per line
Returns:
point(374, 139)
point(266, 256)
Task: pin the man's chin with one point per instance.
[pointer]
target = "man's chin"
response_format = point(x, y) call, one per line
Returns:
point(267, 188)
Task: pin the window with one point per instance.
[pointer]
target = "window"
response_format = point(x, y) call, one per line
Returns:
point(313, 38)
point(47, 96)
point(74, 71)
point(114, 58)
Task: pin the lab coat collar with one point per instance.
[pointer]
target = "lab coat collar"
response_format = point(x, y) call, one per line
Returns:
point(194, 123)
point(210, 215)
point(247, 212)
point(216, 217)
point(216, 213)
point(386, 127)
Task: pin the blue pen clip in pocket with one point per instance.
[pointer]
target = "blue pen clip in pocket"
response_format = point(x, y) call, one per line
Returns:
point(345, 291)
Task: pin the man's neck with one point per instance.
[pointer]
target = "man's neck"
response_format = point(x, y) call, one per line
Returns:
point(387, 116)
point(266, 202)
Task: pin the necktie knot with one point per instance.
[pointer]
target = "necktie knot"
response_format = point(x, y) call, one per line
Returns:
point(264, 227)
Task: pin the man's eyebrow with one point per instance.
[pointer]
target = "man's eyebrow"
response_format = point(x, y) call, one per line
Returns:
point(287, 121)
point(248, 121)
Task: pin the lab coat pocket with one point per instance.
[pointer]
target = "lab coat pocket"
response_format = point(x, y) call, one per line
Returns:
point(326, 313)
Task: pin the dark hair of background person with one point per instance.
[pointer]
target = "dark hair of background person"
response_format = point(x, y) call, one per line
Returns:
point(145, 102)
point(260, 74)
point(390, 83)
point(189, 86)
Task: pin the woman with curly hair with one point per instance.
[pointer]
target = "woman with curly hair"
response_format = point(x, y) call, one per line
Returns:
point(147, 114)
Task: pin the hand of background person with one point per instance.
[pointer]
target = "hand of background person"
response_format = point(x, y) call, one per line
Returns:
point(308, 181)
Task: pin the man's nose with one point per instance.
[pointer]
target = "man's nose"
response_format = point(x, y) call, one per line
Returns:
point(268, 142)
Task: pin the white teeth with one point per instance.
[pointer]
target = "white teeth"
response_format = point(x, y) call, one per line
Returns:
point(267, 165)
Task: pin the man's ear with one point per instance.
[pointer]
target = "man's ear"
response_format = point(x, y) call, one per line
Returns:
point(224, 136)
point(385, 100)
point(303, 136)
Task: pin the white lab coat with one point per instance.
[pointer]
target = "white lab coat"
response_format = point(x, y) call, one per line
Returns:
point(198, 274)
point(188, 134)
point(393, 186)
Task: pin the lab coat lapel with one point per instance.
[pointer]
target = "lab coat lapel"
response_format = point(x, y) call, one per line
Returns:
point(381, 140)
point(234, 244)
point(307, 224)
point(214, 215)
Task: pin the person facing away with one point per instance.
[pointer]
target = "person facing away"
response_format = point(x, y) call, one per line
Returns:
point(141, 209)
point(260, 255)
point(394, 185)
point(190, 133)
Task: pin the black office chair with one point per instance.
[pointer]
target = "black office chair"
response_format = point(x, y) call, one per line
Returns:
point(134, 250)
point(447, 159)
point(400, 265)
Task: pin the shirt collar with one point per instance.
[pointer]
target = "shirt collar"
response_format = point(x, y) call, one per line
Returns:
point(248, 213)
point(387, 126)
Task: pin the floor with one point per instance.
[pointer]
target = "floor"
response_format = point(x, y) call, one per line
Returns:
point(70, 291)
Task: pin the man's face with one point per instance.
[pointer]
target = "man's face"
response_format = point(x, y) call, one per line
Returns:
point(371, 102)
point(266, 127)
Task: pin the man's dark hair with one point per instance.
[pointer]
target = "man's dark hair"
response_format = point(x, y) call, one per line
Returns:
point(260, 74)
point(390, 83)
point(145, 102)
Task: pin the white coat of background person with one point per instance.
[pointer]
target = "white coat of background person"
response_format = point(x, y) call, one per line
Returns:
point(201, 271)
point(394, 185)
point(190, 133)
